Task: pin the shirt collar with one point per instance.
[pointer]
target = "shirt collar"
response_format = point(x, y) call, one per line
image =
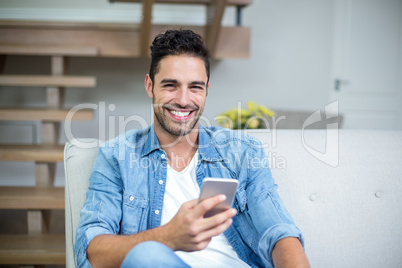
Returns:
point(152, 142)
point(206, 146)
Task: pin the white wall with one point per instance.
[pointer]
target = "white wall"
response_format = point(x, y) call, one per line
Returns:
point(290, 57)
point(289, 67)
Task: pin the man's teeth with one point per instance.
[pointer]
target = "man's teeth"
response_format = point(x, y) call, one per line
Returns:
point(177, 113)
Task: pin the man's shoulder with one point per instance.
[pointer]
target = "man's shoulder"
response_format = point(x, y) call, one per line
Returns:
point(134, 138)
point(234, 147)
point(224, 136)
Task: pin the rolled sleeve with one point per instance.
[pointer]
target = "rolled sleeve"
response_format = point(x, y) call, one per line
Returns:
point(81, 248)
point(101, 213)
point(273, 235)
point(267, 210)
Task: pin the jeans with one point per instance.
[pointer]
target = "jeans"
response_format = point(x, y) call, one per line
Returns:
point(153, 255)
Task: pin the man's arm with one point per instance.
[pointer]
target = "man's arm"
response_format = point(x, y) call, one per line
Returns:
point(187, 231)
point(288, 252)
point(110, 250)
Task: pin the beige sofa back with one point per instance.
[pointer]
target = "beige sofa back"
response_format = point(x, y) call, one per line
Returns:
point(344, 190)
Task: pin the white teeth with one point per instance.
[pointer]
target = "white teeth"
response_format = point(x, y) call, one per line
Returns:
point(181, 114)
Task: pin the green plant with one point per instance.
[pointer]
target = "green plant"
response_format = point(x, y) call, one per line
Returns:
point(254, 117)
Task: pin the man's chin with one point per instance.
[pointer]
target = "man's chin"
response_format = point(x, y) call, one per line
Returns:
point(180, 132)
point(177, 128)
point(183, 130)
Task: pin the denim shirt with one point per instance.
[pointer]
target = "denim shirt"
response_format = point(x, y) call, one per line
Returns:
point(127, 186)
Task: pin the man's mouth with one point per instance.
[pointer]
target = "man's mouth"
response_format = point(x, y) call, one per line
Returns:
point(180, 115)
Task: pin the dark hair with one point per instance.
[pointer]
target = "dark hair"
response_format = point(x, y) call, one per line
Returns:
point(177, 42)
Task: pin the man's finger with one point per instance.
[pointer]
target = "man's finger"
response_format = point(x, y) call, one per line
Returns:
point(217, 230)
point(190, 204)
point(207, 204)
point(218, 219)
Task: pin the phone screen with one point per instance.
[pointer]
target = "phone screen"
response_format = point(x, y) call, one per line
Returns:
point(216, 186)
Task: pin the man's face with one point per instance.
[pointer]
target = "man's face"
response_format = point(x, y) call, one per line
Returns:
point(179, 92)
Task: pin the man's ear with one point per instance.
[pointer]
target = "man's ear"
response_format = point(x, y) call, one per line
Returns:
point(207, 88)
point(148, 86)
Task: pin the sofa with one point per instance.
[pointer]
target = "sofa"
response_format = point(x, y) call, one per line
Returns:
point(342, 187)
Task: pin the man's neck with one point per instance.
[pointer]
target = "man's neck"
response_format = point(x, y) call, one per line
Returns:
point(179, 149)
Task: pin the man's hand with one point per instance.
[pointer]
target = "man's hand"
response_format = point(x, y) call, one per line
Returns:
point(190, 231)
point(187, 231)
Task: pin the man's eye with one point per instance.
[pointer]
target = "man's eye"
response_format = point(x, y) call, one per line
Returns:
point(168, 85)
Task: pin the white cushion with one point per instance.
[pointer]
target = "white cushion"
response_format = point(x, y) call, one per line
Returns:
point(78, 162)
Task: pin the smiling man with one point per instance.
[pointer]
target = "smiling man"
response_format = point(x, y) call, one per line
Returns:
point(141, 208)
point(180, 89)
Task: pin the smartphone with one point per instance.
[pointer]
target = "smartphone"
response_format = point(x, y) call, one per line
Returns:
point(216, 186)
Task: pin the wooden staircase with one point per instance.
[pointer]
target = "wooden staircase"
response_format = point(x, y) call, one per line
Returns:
point(124, 39)
point(37, 246)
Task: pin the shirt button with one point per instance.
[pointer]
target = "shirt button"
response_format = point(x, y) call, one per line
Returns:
point(156, 212)
point(313, 197)
point(160, 182)
point(163, 156)
point(131, 198)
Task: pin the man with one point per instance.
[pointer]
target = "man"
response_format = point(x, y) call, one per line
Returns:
point(141, 208)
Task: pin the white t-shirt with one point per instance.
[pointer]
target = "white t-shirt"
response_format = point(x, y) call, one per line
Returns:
point(182, 187)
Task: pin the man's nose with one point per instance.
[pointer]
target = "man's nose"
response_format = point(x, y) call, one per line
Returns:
point(182, 97)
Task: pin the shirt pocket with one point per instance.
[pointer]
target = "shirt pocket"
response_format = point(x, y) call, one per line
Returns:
point(135, 209)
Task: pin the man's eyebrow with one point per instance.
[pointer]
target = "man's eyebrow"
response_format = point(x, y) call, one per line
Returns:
point(167, 80)
point(174, 81)
point(202, 83)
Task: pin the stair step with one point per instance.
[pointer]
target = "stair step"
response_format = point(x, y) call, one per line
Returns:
point(33, 153)
point(32, 249)
point(31, 198)
point(47, 81)
point(47, 50)
point(50, 115)
point(229, 2)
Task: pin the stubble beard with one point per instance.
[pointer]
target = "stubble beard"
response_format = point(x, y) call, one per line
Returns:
point(169, 126)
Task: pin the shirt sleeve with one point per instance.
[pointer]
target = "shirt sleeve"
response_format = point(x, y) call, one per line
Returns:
point(101, 213)
point(268, 213)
